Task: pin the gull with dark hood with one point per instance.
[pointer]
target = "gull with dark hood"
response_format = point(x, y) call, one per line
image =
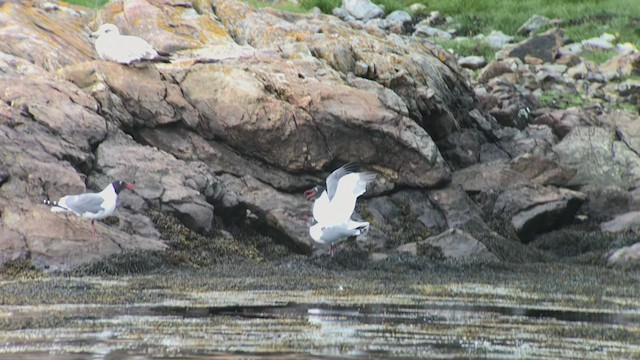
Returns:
point(91, 205)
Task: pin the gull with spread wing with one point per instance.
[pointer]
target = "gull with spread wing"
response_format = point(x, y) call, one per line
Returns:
point(333, 206)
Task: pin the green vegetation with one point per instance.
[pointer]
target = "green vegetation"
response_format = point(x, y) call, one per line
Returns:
point(88, 3)
point(468, 47)
point(561, 100)
point(598, 57)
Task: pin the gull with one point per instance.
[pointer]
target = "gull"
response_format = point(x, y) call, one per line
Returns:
point(91, 205)
point(333, 206)
point(124, 49)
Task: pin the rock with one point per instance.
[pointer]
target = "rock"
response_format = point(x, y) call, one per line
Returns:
point(569, 60)
point(508, 103)
point(180, 188)
point(488, 176)
point(626, 49)
point(497, 68)
point(602, 43)
point(459, 210)
point(362, 9)
point(535, 23)
point(621, 66)
point(544, 46)
point(533, 209)
point(399, 16)
point(579, 71)
point(343, 14)
point(472, 62)
point(421, 29)
point(599, 158)
point(455, 245)
point(534, 139)
point(625, 257)
point(501, 174)
point(284, 212)
point(497, 39)
point(541, 170)
point(405, 216)
point(607, 202)
point(563, 121)
point(624, 222)
point(571, 49)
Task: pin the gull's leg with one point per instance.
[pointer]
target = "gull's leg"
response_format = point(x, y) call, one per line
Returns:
point(93, 227)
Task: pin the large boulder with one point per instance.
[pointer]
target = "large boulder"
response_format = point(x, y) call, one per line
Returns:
point(600, 158)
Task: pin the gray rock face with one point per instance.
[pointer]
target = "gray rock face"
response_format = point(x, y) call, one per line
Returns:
point(399, 16)
point(599, 158)
point(362, 9)
point(535, 209)
point(623, 222)
point(455, 245)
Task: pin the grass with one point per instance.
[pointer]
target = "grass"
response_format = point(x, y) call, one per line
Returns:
point(582, 18)
point(88, 3)
point(467, 47)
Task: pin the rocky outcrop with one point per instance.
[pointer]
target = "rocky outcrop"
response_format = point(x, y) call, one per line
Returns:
point(258, 105)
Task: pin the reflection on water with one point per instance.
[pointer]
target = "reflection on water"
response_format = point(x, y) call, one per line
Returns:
point(319, 331)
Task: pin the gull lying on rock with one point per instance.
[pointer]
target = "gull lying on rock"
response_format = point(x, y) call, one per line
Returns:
point(124, 49)
point(333, 206)
point(91, 205)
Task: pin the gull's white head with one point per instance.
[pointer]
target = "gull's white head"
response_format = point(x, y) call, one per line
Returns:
point(105, 29)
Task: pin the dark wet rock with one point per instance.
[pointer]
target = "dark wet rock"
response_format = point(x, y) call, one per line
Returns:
point(533, 209)
point(543, 47)
point(405, 216)
point(455, 245)
point(533, 24)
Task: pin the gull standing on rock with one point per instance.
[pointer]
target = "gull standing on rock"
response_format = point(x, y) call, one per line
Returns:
point(91, 205)
point(124, 49)
point(333, 206)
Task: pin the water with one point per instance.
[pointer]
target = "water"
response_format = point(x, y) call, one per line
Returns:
point(416, 327)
